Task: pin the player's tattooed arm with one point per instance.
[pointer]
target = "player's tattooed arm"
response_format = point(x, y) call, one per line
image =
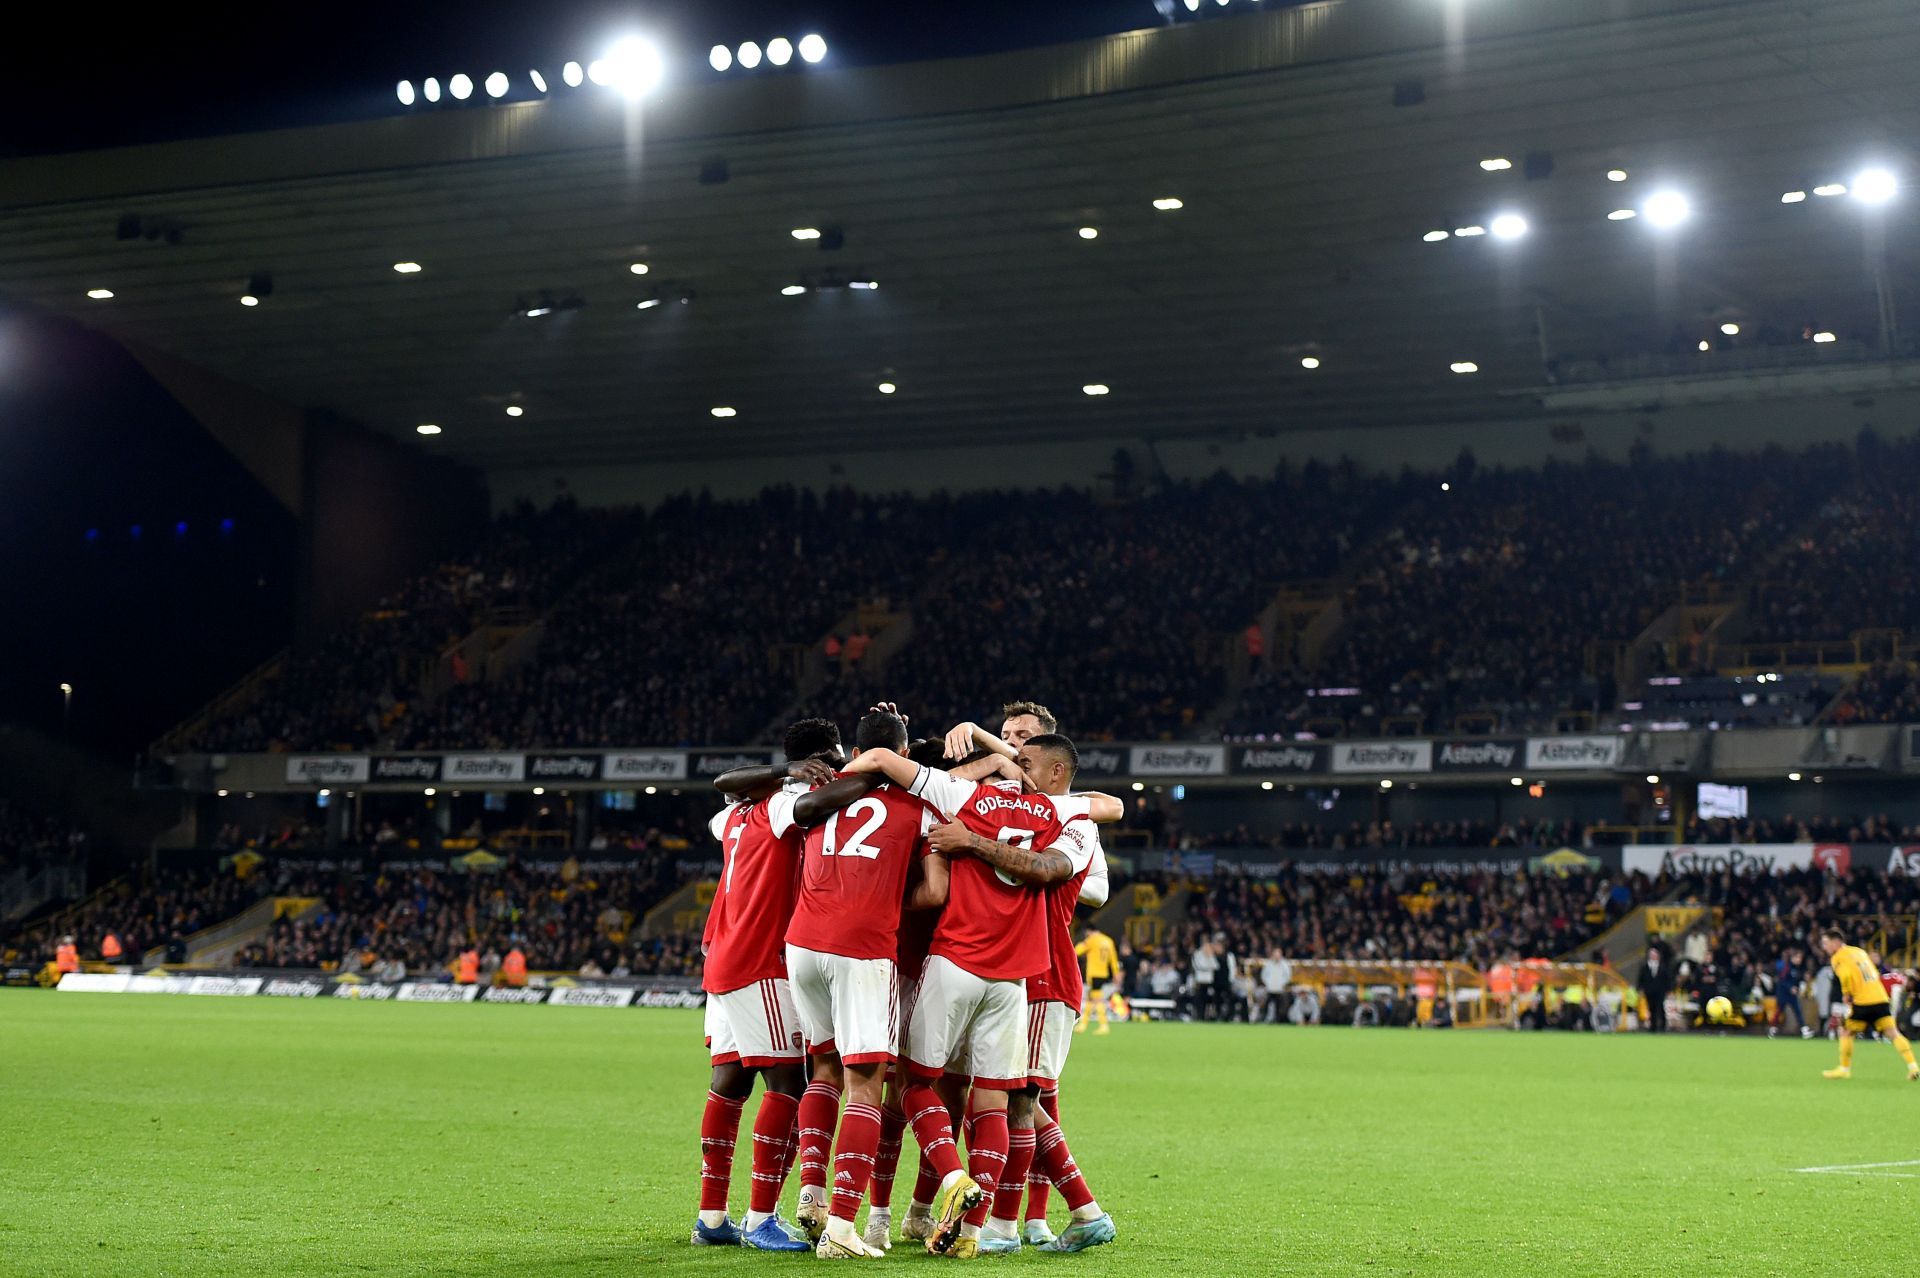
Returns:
point(822, 802)
point(761, 781)
point(954, 839)
point(929, 891)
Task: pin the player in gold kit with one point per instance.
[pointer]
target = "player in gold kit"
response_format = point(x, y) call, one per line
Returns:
point(1868, 1005)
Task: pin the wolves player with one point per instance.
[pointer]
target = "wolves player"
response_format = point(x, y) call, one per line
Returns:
point(1868, 1004)
point(840, 959)
point(969, 1016)
point(751, 1026)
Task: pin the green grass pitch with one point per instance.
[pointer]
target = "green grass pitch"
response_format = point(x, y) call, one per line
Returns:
point(164, 1135)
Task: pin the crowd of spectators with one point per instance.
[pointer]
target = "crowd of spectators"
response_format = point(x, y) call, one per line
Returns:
point(1333, 836)
point(1875, 828)
point(1889, 692)
point(30, 841)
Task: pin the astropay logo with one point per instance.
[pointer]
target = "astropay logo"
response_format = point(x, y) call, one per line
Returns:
point(1103, 762)
point(1478, 754)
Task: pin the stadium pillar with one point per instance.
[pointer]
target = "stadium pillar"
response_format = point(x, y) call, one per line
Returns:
point(582, 806)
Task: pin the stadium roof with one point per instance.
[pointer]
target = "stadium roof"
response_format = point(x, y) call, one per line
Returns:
point(961, 188)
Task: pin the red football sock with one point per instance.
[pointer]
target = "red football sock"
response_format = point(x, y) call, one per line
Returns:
point(719, 1128)
point(853, 1158)
point(986, 1156)
point(792, 1151)
point(1038, 1186)
point(1054, 1158)
point(818, 1109)
point(771, 1142)
point(933, 1130)
point(893, 1125)
point(1006, 1199)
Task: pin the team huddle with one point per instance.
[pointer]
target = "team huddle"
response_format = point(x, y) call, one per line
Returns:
point(895, 929)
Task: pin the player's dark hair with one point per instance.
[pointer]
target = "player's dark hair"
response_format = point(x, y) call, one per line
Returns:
point(879, 729)
point(1014, 709)
point(809, 737)
point(930, 752)
point(1057, 744)
point(1834, 932)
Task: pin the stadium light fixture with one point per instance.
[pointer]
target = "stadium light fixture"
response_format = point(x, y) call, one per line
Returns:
point(1509, 226)
point(1464, 366)
point(407, 268)
point(1089, 232)
point(514, 410)
point(1793, 197)
point(497, 84)
point(1623, 215)
point(1653, 778)
point(460, 85)
point(539, 789)
point(1823, 337)
point(1730, 328)
point(1434, 237)
point(404, 91)
point(633, 66)
point(1096, 389)
point(806, 232)
point(430, 89)
point(539, 81)
point(779, 51)
point(1266, 785)
point(886, 388)
point(749, 55)
point(1793, 776)
point(1138, 786)
point(638, 268)
point(1875, 185)
point(427, 428)
point(647, 303)
point(100, 294)
point(1827, 190)
point(1386, 783)
point(793, 290)
point(1616, 175)
point(720, 57)
point(326, 794)
point(1309, 361)
point(1496, 164)
point(1667, 208)
point(1446, 486)
point(248, 299)
point(573, 74)
point(1705, 346)
point(1168, 203)
point(428, 791)
point(722, 410)
point(1515, 781)
point(866, 286)
point(1468, 232)
point(813, 47)
point(220, 794)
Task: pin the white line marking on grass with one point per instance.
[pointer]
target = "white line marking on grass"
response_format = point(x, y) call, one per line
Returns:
point(1865, 1169)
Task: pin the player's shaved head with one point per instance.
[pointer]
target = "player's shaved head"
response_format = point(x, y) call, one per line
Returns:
point(812, 738)
point(878, 730)
point(1049, 762)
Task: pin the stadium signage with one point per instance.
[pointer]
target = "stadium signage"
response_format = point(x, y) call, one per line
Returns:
point(510, 995)
point(485, 767)
point(713, 763)
point(1383, 756)
point(583, 996)
point(417, 992)
point(1178, 761)
point(670, 998)
point(304, 987)
point(563, 767)
point(406, 767)
point(1548, 753)
point(1718, 858)
point(1904, 859)
point(1102, 761)
point(1290, 759)
point(225, 986)
point(645, 765)
point(326, 769)
point(1491, 754)
point(365, 993)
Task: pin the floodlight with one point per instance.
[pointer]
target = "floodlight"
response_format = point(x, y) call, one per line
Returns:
point(1667, 208)
point(405, 93)
point(812, 48)
point(1509, 226)
point(779, 51)
point(749, 55)
point(461, 86)
point(720, 57)
point(497, 84)
point(1875, 186)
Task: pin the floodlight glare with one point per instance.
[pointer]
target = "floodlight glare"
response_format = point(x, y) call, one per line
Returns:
point(1828, 190)
point(779, 51)
point(1434, 237)
point(1094, 388)
point(539, 81)
point(1168, 203)
point(514, 410)
point(405, 93)
point(720, 57)
point(722, 411)
point(633, 66)
point(497, 84)
point(793, 290)
point(1089, 232)
point(1667, 208)
point(100, 294)
point(461, 86)
point(427, 428)
point(1823, 337)
point(407, 268)
point(1616, 175)
point(749, 55)
point(430, 89)
point(1509, 226)
point(1468, 232)
point(1875, 186)
point(1496, 164)
point(1623, 215)
point(1464, 366)
point(806, 232)
point(887, 388)
point(812, 48)
point(1309, 361)
point(1730, 329)
point(573, 74)
point(1793, 197)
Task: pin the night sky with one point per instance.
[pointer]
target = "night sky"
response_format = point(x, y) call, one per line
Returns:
point(153, 72)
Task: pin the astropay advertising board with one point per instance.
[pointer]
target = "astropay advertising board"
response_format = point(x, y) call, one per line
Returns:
point(1738, 858)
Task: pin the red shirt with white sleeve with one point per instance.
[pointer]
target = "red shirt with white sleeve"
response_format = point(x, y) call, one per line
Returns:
point(747, 926)
point(854, 875)
point(1061, 982)
point(995, 926)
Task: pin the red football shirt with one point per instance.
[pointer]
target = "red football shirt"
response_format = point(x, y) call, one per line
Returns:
point(995, 926)
point(747, 926)
point(1061, 982)
point(854, 874)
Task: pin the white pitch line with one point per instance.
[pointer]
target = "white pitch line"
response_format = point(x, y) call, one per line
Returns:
point(1865, 1169)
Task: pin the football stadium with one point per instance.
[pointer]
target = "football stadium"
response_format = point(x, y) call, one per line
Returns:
point(1227, 635)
